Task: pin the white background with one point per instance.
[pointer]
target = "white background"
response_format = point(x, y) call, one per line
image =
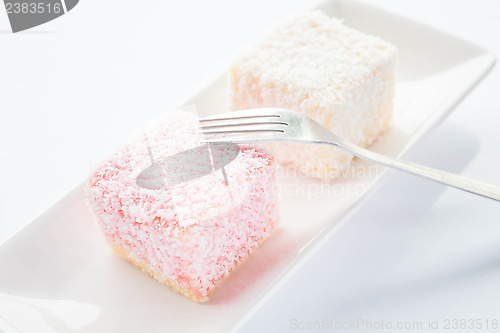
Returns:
point(416, 251)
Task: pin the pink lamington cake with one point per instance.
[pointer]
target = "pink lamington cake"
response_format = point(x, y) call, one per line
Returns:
point(188, 235)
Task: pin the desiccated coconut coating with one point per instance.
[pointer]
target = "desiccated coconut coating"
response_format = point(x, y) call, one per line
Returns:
point(338, 76)
point(191, 235)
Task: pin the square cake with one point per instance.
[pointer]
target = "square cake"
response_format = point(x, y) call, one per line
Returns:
point(336, 75)
point(188, 233)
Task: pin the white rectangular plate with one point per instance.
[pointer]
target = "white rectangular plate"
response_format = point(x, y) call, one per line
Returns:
point(57, 275)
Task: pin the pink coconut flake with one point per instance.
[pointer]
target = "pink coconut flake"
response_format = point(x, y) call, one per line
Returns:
point(189, 235)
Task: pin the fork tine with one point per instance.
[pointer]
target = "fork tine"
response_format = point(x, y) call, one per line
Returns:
point(244, 128)
point(238, 123)
point(253, 113)
point(247, 131)
point(235, 126)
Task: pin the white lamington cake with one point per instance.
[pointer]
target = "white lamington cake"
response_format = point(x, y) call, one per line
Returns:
point(316, 65)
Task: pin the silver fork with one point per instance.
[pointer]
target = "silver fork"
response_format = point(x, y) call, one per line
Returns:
point(274, 125)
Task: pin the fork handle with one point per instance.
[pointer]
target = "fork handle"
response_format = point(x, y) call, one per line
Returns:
point(446, 178)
